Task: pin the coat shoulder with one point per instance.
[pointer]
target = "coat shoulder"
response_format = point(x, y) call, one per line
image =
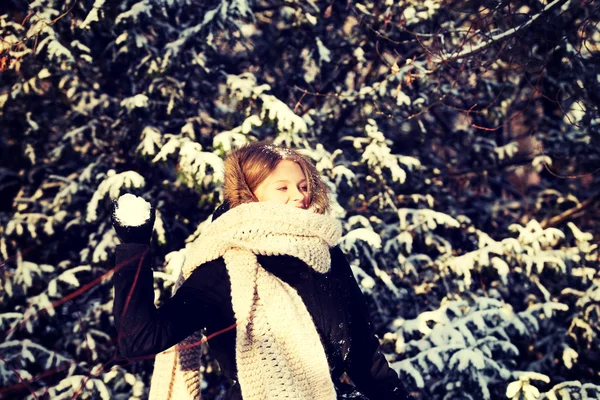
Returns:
point(209, 273)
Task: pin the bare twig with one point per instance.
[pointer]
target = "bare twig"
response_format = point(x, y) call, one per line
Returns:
point(504, 35)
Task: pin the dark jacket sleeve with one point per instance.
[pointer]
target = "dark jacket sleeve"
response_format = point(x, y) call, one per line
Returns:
point(366, 366)
point(142, 329)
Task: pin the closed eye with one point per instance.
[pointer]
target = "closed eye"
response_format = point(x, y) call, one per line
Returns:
point(283, 189)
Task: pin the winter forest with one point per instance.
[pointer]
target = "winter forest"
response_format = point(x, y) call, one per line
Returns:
point(460, 141)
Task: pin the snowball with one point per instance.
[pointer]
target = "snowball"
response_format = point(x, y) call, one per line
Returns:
point(132, 210)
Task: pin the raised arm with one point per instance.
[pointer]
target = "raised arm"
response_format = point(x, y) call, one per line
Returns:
point(143, 329)
point(366, 366)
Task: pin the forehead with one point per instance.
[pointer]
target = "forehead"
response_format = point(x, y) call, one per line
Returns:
point(286, 170)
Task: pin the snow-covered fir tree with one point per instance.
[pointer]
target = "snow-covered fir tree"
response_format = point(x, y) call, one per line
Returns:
point(459, 140)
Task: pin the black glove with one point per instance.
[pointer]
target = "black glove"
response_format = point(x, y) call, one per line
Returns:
point(134, 234)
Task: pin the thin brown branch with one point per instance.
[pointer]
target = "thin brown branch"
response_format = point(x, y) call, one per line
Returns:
point(568, 214)
point(517, 162)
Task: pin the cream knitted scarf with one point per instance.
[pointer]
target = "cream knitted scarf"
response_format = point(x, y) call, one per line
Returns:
point(279, 354)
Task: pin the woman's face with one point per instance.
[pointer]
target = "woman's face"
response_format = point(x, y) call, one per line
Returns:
point(285, 185)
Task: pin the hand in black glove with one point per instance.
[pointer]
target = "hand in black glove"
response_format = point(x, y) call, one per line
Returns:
point(134, 234)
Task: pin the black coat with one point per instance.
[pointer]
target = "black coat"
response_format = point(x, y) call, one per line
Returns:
point(334, 301)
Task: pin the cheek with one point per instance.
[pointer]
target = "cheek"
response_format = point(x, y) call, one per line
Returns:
point(276, 195)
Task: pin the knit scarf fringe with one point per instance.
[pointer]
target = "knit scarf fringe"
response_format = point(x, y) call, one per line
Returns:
point(279, 354)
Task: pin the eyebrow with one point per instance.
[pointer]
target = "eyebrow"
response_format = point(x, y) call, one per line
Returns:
point(286, 181)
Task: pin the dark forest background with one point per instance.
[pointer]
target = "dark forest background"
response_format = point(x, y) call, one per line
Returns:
point(460, 140)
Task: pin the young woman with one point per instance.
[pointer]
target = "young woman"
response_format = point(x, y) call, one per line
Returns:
point(268, 281)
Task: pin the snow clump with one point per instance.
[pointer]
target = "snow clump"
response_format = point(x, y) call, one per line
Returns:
point(132, 210)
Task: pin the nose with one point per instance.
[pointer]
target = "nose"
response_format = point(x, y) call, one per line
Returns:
point(298, 197)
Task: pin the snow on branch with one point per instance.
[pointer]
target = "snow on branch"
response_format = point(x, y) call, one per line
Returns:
point(291, 128)
point(572, 390)
point(92, 15)
point(228, 12)
point(112, 186)
point(465, 346)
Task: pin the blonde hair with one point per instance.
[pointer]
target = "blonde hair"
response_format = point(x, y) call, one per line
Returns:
point(248, 166)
